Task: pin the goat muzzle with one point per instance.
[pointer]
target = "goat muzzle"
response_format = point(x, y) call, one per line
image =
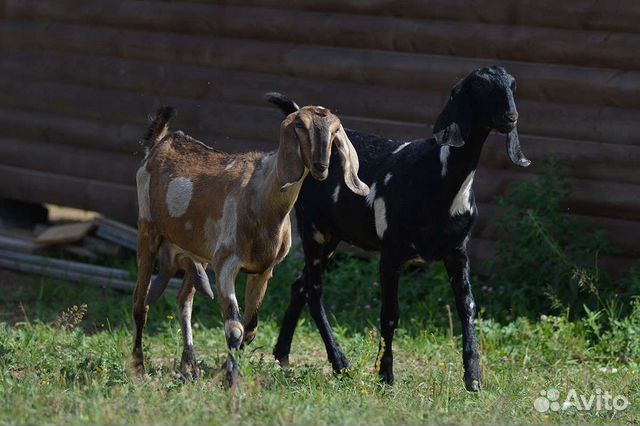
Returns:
point(514, 149)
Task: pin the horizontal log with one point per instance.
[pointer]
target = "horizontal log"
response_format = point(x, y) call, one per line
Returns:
point(582, 159)
point(579, 159)
point(471, 39)
point(610, 125)
point(69, 160)
point(200, 118)
point(588, 197)
point(38, 126)
point(119, 201)
point(618, 230)
point(114, 200)
point(429, 72)
point(75, 271)
point(570, 14)
point(245, 87)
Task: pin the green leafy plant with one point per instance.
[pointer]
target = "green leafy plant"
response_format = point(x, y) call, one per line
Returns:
point(547, 261)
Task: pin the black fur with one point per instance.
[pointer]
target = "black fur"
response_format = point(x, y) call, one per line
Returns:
point(281, 101)
point(157, 126)
point(416, 197)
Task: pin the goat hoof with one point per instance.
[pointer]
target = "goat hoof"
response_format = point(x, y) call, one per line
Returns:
point(472, 385)
point(283, 360)
point(386, 376)
point(472, 377)
point(340, 364)
point(138, 366)
point(234, 333)
point(189, 366)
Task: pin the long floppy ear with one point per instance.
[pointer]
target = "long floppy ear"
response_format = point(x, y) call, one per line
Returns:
point(453, 125)
point(290, 166)
point(350, 163)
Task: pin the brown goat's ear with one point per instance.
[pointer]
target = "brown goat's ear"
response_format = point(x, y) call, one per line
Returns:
point(290, 166)
point(453, 125)
point(350, 163)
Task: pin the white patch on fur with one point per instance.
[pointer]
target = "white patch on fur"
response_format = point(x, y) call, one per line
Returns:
point(401, 147)
point(143, 178)
point(316, 262)
point(227, 278)
point(387, 178)
point(229, 223)
point(230, 165)
point(462, 201)
point(211, 232)
point(380, 214)
point(371, 195)
point(444, 158)
point(188, 226)
point(178, 197)
point(336, 193)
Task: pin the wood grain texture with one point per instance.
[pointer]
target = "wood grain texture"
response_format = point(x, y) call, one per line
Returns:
point(78, 80)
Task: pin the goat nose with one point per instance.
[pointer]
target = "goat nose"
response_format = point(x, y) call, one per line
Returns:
point(511, 116)
point(321, 167)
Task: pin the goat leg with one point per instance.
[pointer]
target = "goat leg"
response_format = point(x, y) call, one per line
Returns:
point(226, 271)
point(390, 268)
point(188, 363)
point(297, 302)
point(148, 243)
point(457, 264)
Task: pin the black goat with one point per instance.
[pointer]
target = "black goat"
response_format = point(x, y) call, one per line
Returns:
point(421, 204)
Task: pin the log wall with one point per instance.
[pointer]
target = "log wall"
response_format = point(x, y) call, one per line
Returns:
point(78, 79)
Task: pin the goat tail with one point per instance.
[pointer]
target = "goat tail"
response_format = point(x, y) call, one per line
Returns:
point(285, 104)
point(158, 128)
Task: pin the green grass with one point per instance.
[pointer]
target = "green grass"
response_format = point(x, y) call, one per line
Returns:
point(56, 372)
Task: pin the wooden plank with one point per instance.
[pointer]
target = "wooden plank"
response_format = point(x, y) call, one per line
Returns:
point(589, 86)
point(594, 198)
point(106, 137)
point(14, 243)
point(429, 72)
point(618, 230)
point(73, 271)
point(471, 39)
point(583, 159)
point(605, 124)
point(67, 233)
point(119, 233)
point(116, 201)
point(71, 161)
point(571, 14)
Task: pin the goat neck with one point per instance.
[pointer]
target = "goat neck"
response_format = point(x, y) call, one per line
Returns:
point(463, 160)
point(271, 198)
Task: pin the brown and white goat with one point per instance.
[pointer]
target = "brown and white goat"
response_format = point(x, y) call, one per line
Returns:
point(201, 206)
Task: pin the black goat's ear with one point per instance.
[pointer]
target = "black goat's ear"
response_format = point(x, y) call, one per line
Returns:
point(453, 125)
